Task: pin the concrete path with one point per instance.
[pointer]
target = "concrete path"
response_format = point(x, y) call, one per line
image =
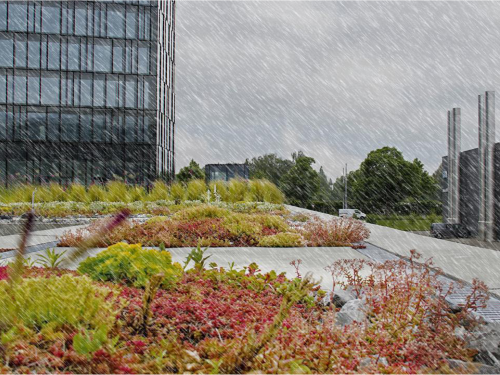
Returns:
point(314, 259)
point(36, 238)
point(461, 261)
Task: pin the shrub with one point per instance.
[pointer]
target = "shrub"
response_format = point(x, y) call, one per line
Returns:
point(117, 192)
point(196, 190)
point(282, 240)
point(177, 192)
point(335, 232)
point(237, 189)
point(264, 191)
point(57, 193)
point(219, 187)
point(96, 193)
point(56, 302)
point(77, 193)
point(131, 264)
point(201, 212)
point(159, 191)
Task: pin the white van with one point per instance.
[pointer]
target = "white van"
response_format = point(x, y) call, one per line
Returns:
point(352, 212)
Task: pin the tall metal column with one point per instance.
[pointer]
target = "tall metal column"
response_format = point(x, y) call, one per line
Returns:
point(454, 130)
point(489, 143)
point(481, 228)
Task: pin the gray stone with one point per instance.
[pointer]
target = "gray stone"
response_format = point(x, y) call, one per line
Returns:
point(341, 297)
point(486, 340)
point(367, 361)
point(352, 311)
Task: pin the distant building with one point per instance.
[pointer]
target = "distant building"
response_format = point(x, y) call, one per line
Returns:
point(226, 171)
point(86, 90)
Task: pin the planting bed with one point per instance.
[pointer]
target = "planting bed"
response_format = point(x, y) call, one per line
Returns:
point(224, 225)
point(131, 310)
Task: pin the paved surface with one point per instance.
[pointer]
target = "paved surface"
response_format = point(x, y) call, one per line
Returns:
point(314, 259)
point(36, 238)
point(461, 261)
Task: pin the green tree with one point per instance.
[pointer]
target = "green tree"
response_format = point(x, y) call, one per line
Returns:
point(301, 183)
point(385, 179)
point(269, 166)
point(190, 172)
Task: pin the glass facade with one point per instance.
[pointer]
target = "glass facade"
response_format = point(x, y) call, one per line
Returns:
point(226, 172)
point(86, 90)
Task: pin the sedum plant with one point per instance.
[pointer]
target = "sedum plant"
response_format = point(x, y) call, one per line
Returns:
point(282, 240)
point(55, 302)
point(131, 264)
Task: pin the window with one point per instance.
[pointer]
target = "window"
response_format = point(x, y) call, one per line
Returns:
point(36, 126)
point(143, 60)
point(34, 53)
point(7, 48)
point(3, 16)
point(80, 20)
point(73, 56)
point(3, 125)
point(117, 128)
point(69, 127)
point(131, 93)
point(50, 90)
point(85, 127)
point(20, 89)
point(99, 127)
point(86, 91)
point(98, 92)
point(20, 53)
point(116, 23)
point(3, 88)
point(53, 126)
point(18, 16)
point(117, 59)
point(54, 50)
point(51, 19)
point(34, 90)
point(132, 23)
point(102, 58)
point(130, 133)
point(111, 93)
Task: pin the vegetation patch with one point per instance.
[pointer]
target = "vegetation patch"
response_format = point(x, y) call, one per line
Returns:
point(217, 319)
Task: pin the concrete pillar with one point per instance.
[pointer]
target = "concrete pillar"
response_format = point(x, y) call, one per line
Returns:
point(454, 129)
point(481, 165)
point(489, 168)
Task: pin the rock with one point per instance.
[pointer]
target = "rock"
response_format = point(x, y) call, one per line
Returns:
point(352, 311)
point(462, 367)
point(454, 307)
point(341, 297)
point(486, 340)
point(367, 361)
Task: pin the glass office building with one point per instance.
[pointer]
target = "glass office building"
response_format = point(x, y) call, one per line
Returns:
point(86, 90)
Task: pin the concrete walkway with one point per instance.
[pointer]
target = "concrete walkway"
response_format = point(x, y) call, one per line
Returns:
point(36, 238)
point(461, 261)
point(314, 259)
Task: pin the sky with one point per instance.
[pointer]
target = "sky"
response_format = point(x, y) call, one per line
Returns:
point(333, 79)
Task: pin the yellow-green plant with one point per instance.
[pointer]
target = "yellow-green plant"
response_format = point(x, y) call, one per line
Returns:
point(132, 264)
point(177, 192)
point(272, 194)
point(271, 221)
point(237, 189)
point(78, 193)
point(219, 187)
point(159, 191)
point(196, 190)
point(55, 302)
point(117, 192)
point(256, 191)
point(137, 193)
point(203, 211)
point(97, 193)
point(286, 239)
point(57, 193)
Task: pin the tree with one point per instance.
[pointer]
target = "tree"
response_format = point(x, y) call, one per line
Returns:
point(385, 179)
point(301, 183)
point(190, 172)
point(270, 167)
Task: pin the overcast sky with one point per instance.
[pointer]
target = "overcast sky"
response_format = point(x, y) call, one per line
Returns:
point(333, 79)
